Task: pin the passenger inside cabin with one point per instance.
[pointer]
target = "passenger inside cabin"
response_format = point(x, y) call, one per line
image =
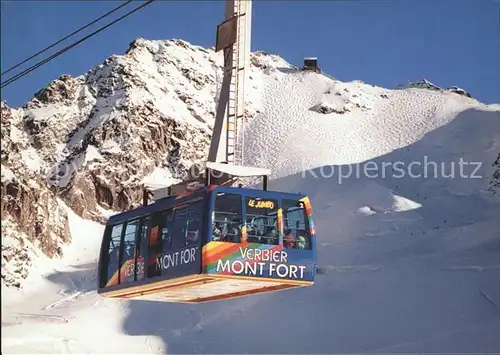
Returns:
point(226, 232)
point(233, 233)
point(272, 235)
point(292, 242)
point(217, 231)
point(289, 240)
point(301, 242)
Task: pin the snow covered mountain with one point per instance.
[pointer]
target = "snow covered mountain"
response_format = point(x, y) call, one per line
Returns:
point(82, 148)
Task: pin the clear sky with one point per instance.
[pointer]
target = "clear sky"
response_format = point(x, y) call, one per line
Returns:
point(449, 42)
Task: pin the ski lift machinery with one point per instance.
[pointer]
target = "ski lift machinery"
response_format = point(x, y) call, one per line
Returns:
point(205, 239)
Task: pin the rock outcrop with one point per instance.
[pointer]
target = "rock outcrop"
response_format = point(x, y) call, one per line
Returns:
point(426, 84)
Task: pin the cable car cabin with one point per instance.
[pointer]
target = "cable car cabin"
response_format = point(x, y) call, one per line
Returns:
point(215, 243)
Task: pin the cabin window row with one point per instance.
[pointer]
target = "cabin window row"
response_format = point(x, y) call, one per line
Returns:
point(260, 220)
point(142, 240)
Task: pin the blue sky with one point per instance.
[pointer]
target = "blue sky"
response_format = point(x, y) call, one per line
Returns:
point(450, 42)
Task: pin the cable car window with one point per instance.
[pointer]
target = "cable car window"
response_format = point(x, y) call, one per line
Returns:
point(142, 248)
point(295, 225)
point(187, 224)
point(127, 267)
point(261, 220)
point(178, 229)
point(193, 223)
point(144, 228)
point(114, 254)
point(159, 239)
point(227, 218)
point(166, 237)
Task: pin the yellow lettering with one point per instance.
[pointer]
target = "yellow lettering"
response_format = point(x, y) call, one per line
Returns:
point(261, 204)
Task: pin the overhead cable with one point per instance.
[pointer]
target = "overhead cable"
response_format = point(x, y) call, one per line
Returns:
point(74, 44)
point(68, 36)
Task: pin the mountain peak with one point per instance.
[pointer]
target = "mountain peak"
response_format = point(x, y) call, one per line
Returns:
point(427, 84)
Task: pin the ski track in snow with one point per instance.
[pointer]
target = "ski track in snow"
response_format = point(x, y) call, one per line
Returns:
point(406, 265)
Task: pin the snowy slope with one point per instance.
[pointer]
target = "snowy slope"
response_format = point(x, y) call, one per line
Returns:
point(410, 263)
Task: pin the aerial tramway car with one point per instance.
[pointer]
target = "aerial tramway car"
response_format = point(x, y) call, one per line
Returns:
point(213, 243)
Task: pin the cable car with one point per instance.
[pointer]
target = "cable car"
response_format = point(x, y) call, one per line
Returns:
point(217, 242)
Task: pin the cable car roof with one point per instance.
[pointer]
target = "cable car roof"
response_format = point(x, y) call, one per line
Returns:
point(179, 199)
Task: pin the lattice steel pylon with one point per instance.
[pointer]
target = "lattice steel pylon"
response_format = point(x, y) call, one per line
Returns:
point(234, 37)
